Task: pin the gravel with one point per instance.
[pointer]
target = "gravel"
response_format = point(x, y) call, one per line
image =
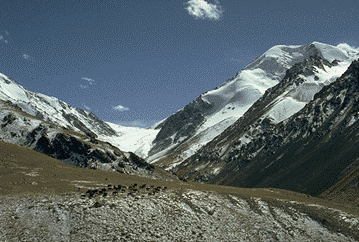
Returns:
point(186, 215)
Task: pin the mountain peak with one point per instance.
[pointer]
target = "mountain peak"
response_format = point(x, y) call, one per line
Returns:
point(51, 109)
point(340, 52)
point(314, 65)
point(6, 79)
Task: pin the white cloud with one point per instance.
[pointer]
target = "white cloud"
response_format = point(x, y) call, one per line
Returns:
point(91, 81)
point(202, 9)
point(87, 107)
point(26, 56)
point(2, 37)
point(120, 108)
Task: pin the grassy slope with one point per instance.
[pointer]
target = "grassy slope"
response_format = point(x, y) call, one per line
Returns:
point(345, 190)
point(56, 177)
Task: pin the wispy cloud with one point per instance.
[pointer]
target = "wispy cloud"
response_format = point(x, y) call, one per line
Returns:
point(87, 107)
point(202, 9)
point(2, 38)
point(90, 81)
point(120, 108)
point(27, 57)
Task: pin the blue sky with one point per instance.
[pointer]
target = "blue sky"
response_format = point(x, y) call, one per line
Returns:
point(135, 62)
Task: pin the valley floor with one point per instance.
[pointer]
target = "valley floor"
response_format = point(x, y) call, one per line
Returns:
point(44, 199)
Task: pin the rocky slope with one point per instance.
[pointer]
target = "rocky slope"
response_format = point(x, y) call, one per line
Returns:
point(72, 147)
point(190, 215)
point(192, 127)
point(52, 110)
point(308, 152)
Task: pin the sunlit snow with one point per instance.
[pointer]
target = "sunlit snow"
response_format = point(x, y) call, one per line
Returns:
point(132, 139)
point(232, 99)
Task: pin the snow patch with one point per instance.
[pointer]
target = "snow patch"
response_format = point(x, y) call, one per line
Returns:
point(216, 170)
point(131, 139)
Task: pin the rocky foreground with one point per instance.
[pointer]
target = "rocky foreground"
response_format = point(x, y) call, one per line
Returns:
point(159, 214)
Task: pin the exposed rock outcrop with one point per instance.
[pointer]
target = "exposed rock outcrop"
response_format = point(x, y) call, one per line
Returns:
point(66, 145)
point(185, 132)
point(307, 152)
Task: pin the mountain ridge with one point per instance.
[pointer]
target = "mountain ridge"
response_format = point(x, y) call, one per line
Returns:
point(249, 160)
point(52, 109)
point(298, 138)
point(228, 102)
point(71, 141)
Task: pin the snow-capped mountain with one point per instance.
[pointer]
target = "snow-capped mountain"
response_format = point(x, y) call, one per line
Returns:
point(52, 110)
point(59, 113)
point(72, 135)
point(269, 91)
point(304, 149)
point(185, 132)
point(19, 127)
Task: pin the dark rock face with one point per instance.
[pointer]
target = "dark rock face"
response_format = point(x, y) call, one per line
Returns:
point(181, 124)
point(64, 147)
point(305, 153)
point(8, 119)
point(77, 152)
point(33, 135)
point(62, 114)
point(68, 146)
point(178, 130)
point(141, 162)
point(72, 119)
point(96, 122)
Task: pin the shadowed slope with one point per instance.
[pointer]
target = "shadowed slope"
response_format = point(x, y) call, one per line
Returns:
point(306, 153)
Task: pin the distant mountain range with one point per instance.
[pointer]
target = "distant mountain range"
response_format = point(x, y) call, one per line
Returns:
point(51, 109)
point(286, 120)
point(72, 135)
point(286, 123)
